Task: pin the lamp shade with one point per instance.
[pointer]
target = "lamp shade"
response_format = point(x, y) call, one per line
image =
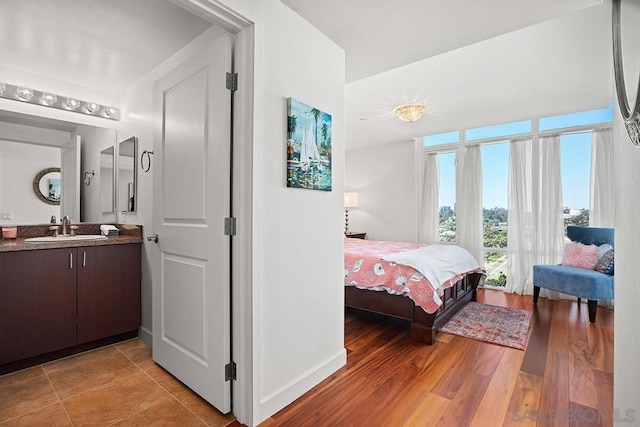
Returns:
point(350, 200)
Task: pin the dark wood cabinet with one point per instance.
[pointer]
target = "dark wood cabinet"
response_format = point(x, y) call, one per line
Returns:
point(108, 291)
point(54, 299)
point(37, 302)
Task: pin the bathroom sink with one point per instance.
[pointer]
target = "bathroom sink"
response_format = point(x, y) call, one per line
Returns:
point(51, 239)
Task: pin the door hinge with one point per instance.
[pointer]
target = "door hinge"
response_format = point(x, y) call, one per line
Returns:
point(232, 81)
point(230, 226)
point(230, 371)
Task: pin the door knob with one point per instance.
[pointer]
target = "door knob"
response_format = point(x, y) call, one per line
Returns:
point(153, 238)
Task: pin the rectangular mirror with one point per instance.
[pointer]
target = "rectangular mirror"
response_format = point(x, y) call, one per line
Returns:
point(107, 179)
point(127, 174)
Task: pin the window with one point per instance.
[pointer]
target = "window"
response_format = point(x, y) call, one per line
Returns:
point(507, 129)
point(447, 223)
point(495, 182)
point(575, 171)
point(603, 115)
point(576, 177)
point(441, 138)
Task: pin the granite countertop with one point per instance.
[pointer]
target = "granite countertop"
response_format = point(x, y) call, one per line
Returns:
point(128, 234)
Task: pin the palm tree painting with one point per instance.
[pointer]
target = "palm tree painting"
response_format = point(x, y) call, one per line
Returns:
point(308, 147)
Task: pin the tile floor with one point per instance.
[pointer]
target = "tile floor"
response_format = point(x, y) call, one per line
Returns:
point(117, 385)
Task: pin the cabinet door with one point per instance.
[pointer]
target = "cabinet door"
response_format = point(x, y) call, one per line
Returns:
point(108, 291)
point(37, 302)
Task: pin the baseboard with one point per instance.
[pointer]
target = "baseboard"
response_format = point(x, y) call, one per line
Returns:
point(145, 335)
point(299, 386)
point(65, 352)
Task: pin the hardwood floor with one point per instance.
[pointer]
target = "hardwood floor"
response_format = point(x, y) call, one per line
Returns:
point(565, 376)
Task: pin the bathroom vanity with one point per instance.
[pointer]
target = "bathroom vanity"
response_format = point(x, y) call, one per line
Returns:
point(58, 298)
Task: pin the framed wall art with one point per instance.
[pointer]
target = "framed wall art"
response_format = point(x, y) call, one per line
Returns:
point(308, 147)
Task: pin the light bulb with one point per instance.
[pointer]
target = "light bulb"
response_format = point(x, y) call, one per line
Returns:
point(48, 99)
point(91, 107)
point(24, 93)
point(71, 103)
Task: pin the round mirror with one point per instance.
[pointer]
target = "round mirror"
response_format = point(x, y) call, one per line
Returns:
point(46, 185)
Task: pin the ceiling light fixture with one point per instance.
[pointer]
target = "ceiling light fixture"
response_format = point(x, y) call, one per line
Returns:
point(91, 107)
point(60, 102)
point(71, 104)
point(24, 93)
point(110, 111)
point(48, 99)
point(409, 113)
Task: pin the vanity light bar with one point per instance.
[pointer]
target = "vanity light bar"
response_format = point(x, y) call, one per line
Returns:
point(48, 99)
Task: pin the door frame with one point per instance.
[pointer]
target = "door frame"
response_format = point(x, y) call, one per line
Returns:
point(244, 390)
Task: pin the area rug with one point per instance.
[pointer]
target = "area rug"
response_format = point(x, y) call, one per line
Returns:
point(492, 324)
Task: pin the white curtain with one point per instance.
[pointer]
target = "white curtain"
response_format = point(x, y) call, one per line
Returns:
point(549, 213)
point(601, 209)
point(521, 232)
point(536, 225)
point(550, 221)
point(469, 212)
point(430, 204)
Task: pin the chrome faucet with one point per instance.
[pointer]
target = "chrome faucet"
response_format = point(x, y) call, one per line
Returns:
point(66, 224)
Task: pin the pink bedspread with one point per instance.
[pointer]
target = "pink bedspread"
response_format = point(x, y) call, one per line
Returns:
point(364, 268)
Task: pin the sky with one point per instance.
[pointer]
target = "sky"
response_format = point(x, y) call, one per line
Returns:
point(575, 159)
point(304, 118)
point(495, 175)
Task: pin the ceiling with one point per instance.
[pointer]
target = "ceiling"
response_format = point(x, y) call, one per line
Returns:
point(472, 63)
point(379, 35)
point(104, 45)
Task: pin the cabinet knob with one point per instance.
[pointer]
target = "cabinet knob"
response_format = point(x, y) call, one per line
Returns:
point(153, 238)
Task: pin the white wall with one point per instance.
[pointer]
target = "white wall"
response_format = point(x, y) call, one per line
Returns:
point(626, 380)
point(297, 234)
point(125, 177)
point(19, 164)
point(32, 134)
point(94, 140)
point(385, 179)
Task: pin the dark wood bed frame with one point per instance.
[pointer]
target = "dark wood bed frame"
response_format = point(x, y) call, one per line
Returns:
point(424, 325)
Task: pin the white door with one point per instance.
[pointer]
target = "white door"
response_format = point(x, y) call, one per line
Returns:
point(191, 184)
point(70, 179)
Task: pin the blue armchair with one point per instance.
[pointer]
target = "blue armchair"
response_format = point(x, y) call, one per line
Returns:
point(589, 284)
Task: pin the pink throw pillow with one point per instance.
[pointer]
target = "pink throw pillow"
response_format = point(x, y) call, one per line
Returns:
point(580, 256)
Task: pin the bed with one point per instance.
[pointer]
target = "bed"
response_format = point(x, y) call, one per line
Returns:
point(395, 279)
